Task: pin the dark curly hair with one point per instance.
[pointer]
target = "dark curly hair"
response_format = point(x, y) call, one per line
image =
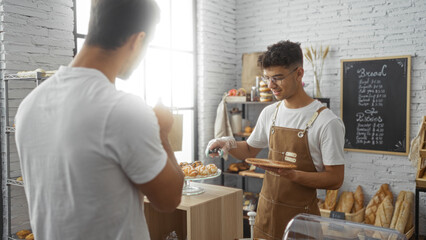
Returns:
point(282, 53)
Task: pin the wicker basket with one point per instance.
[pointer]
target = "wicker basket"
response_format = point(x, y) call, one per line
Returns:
point(410, 233)
point(353, 217)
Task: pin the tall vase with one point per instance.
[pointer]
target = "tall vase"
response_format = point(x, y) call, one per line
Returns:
point(317, 90)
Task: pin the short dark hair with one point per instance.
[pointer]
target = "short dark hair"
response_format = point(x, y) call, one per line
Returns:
point(283, 53)
point(112, 22)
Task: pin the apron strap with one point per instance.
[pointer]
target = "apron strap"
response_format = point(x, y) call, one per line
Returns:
point(275, 113)
point(311, 122)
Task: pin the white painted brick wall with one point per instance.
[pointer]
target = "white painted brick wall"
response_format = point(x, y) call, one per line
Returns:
point(353, 29)
point(217, 59)
point(36, 34)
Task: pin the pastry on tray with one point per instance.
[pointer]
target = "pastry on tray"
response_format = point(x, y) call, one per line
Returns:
point(240, 166)
point(23, 233)
point(198, 169)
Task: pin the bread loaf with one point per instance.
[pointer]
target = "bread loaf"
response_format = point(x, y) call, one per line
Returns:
point(233, 167)
point(403, 217)
point(404, 213)
point(410, 221)
point(330, 200)
point(358, 199)
point(345, 203)
point(23, 233)
point(384, 213)
point(398, 206)
point(370, 210)
point(29, 237)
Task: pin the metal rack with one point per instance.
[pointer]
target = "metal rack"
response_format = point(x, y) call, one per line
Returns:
point(7, 130)
point(242, 136)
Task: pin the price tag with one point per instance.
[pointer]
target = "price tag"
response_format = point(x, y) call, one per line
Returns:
point(337, 215)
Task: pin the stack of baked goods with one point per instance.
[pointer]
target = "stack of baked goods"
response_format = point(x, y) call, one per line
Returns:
point(25, 234)
point(380, 210)
point(198, 169)
point(265, 92)
point(240, 166)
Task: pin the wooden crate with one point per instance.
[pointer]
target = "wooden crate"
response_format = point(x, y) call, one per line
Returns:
point(421, 165)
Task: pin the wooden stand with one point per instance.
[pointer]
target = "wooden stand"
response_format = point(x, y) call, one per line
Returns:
point(215, 214)
point(420, 175)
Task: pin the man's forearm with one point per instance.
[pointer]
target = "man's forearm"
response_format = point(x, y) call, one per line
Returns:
point(170, 154)
point(243, 151)
point(317, 180)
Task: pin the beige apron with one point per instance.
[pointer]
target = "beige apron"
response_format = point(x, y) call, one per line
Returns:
point(280, 199)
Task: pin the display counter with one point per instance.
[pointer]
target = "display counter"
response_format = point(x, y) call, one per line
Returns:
point(215, 214)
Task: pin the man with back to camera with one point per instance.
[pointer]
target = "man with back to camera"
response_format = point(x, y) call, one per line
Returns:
point(88, 152)
point(298, 129)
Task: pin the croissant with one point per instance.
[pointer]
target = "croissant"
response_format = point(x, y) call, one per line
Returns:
point(211, 168)
point(186, 169)
point(202, 170)
point(196, 164)
point(183, 164)
point(192, 173)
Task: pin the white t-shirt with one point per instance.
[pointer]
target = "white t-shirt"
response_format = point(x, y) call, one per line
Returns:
point(325, 137)
point(81, 144)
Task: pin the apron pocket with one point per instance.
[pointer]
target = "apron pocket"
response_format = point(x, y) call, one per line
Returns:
point(283, 214)
point(263, 220)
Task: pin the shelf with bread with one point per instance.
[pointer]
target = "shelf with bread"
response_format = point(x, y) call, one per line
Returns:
point(10, 129)
point(36, 76)
point(380, 210)
point(18, 182)
point(421, 163)
point(242, 134)
point(23, 234)
point(243, 169)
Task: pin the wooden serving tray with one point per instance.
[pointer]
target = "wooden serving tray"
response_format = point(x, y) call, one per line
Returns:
point(270, 163)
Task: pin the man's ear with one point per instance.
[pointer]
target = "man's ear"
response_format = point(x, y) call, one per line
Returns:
point(301, 72)
point(136, 40)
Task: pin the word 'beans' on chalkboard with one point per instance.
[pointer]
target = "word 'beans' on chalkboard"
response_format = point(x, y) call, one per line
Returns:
point(375, 104)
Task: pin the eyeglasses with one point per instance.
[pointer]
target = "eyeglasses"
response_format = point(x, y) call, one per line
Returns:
point(277, 80)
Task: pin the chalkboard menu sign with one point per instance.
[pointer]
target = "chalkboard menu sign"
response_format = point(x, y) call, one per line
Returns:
point(375, 104)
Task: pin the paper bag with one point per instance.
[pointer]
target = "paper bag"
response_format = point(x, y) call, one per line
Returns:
point(250, 69)
point(175, 135)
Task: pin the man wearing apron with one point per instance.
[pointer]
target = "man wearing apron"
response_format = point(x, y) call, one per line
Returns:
point(296, 129)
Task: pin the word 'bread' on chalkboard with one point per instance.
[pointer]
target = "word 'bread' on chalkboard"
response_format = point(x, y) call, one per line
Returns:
point(375, 104)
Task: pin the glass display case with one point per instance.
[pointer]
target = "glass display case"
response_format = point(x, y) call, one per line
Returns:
point(306, 226)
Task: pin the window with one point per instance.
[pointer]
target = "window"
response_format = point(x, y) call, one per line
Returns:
point(167, 73)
